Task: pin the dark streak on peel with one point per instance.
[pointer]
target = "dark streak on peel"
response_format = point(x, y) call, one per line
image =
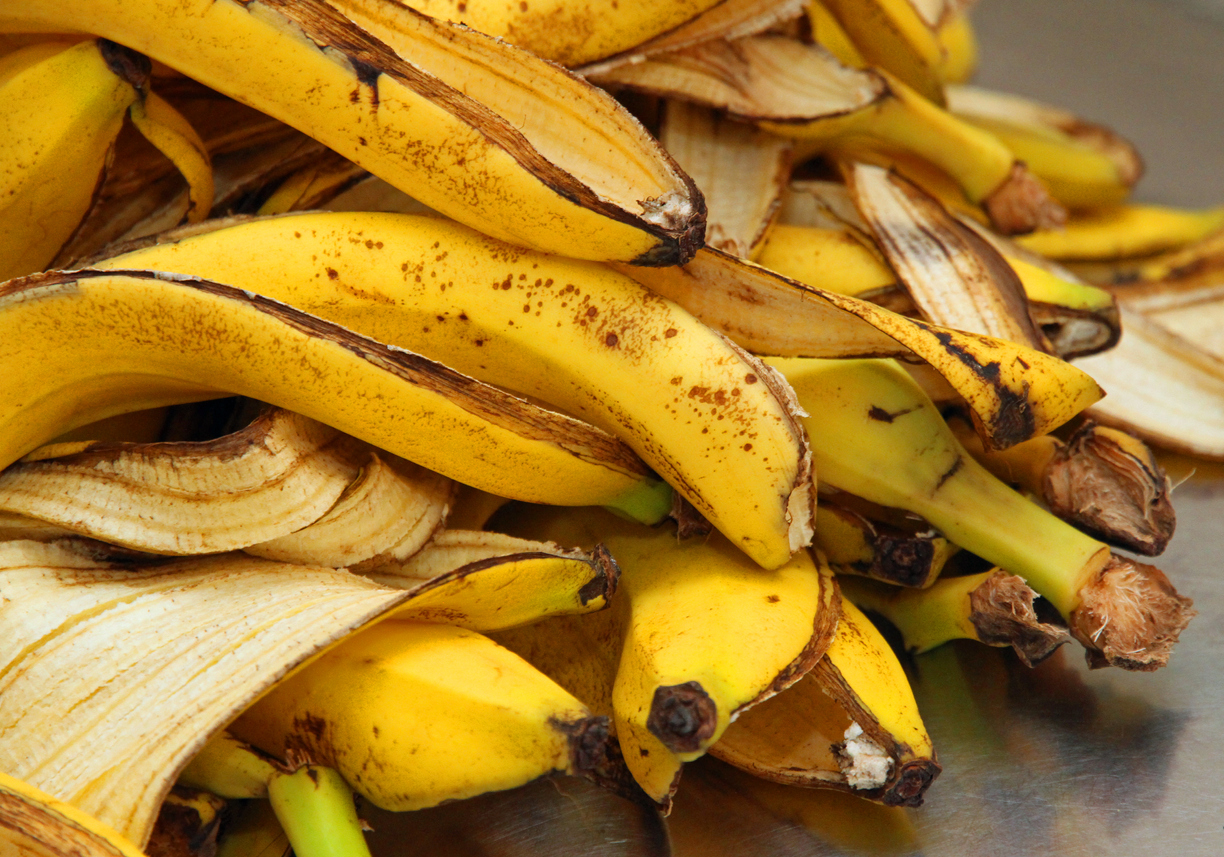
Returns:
point(327, 27)
point(1014, 420)
point(127, 64)
point(951, 471)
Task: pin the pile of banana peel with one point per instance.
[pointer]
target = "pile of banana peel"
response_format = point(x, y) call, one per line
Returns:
point(412, 407)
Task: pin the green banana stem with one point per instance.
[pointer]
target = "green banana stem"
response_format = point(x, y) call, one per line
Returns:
point(647, 503)
point(229, 768)
point(994, 607)
point(875, 433)
point(315, 807)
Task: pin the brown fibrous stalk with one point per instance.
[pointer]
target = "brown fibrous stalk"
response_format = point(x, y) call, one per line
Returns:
point(1110, 492)
point(1130, 616)
point(1002, 611)
point(1021, 204)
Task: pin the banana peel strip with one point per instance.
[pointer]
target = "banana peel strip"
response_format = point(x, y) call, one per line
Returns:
point(1163, 388)
point(740, 170)
point(34, 824)
point(389, 511)
point(276, 476)
point(149, 366)
point(1013, 392)
point(851, 724)
point(99, 739)
point(955, 278)
point(490, 582)
point(165, 664)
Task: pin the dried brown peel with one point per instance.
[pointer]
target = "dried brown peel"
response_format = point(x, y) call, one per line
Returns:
point(849, 724)
point(34, 824)
point(1111, 485)
point(99, 737)
point(187, 824)
point(1002, 613)
point(275, 476)
point(1130, 616)
point(1013, 392)
point(740, 170)
point(392, 508)
point(955, 278)
point(1021, 204)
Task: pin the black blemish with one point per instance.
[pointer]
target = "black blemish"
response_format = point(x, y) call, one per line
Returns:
point(1014, 420)
point(611, 339)
point(127, 65)
point(368, 75)
point(880, 415)
point(951, 471)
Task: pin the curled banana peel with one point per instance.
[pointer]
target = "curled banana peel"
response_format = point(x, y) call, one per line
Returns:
point(585, 339)
point(861, 538)
point(386, 514)
point(1163, 388)
point(1014, 392)
point(1084, 165)
point(35, 823)
point(272, 478)
point(701, 635)
point(955, 278)
point(229, 768)
point(571, 34)
point(211, 339)
point(741, 171)
point(897, 36)
point(850, 724)
point(1123, 231)
point(802, 92)
point(1078, 319)
point(877, 435)
point(111, 740)
point(993, 607)
point(490, 582)
point(464, 122)
point(413, 714)
point(1104, 481)
point(65, 104)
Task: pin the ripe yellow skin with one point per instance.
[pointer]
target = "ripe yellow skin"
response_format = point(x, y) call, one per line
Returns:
point(63, 108)
point(414, 714)
point(577, 335)
point(83, 347)
point(306, 65)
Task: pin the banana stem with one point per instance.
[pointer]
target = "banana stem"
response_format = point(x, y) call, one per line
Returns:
point(315, 807)
point(648, 502)
point(994, 607)
point(1055, 558)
